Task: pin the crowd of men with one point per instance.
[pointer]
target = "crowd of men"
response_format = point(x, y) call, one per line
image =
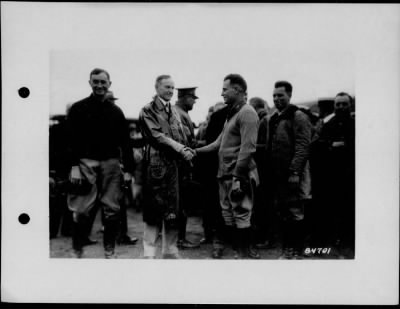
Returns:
point(284, 177)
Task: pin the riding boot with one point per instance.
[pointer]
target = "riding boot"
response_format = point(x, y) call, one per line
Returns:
point(244, 244)
point(222, 236)
point(182, 222)
point(237, 243)
point(111, 227)
point(78, 233)
point(287, 241)
point(250, 244)
point(285, 235)
point(230, 235)
point(298, 241)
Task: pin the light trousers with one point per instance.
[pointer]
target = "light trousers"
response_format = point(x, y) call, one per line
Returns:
point(235, 212)
point(105, 179)
point(169, 239)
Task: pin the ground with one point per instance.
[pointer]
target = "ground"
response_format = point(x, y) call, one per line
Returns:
point(61, 247)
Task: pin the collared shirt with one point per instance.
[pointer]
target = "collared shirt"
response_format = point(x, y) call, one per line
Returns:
point(166, 104)
point(162, 100)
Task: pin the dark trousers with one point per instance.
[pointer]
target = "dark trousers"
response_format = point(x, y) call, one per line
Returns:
point(59, 215)
point(126, 201)
point(184, 195)
point(292, 218)
point(262, 216)
point(213, 222)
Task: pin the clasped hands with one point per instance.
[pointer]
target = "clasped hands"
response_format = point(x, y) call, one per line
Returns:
point(188, 153)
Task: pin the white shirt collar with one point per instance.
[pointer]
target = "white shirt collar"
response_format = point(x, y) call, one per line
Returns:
point(163, 101)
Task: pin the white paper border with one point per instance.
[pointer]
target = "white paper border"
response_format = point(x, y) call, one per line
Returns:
point(31, 30)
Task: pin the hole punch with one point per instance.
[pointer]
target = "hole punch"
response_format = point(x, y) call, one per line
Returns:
point(23, 218)
point(23, 92)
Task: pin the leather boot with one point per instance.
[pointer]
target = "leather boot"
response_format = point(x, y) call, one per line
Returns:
point(298, 239)
point(252, 251)
point(236, 242)
point(244, 242)
point(287, 240)
point(182, 222)
point(230, 236)
point(78, 231)
point(110, 233)
point(220, 240)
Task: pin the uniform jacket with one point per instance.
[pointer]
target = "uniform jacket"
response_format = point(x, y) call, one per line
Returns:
point(187, 125)
point(164, 136)
point(236, 144)
point(99, 131)
point(289, 147)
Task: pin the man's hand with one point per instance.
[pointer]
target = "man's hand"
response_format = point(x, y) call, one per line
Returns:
point(187, 153)
point(338, 144)
point(237, 192)
point(236, 184)
point(52, 183)
point(75, 176)
point(128, 178)
point(193, 151)
point(294, 180)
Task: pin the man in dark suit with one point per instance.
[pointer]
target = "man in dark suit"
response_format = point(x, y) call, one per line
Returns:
point(335, 192)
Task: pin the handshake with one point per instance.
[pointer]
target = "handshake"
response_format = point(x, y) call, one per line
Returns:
point(188, 153)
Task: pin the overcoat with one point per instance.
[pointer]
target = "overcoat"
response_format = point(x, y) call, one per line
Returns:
point(289, 148)
point(187, 124)
point(333, 168)
point(165, 139)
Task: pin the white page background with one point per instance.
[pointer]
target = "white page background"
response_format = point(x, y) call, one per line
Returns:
point(41, 40)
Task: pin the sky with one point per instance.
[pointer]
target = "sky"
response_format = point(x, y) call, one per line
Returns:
point(198, 45)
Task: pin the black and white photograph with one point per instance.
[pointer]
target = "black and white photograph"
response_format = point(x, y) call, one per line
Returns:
point(200, 153)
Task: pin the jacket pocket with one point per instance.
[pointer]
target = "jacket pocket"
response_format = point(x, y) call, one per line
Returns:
point(157, 171)
point(157, 167)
